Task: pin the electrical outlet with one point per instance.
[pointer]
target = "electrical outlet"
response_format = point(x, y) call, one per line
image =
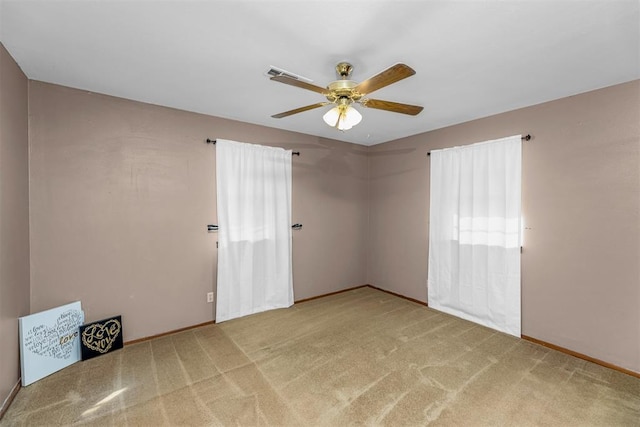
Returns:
point(210, 297)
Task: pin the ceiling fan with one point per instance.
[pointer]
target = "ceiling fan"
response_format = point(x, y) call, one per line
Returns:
point(343, 93)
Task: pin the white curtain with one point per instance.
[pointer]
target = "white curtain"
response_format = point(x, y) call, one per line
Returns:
point(474, 233)
point(254, 218)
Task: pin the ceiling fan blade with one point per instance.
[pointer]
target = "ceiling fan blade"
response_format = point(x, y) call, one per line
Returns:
point(300, 84)
point(396, 107)
point(385, 78)
point(300, 110)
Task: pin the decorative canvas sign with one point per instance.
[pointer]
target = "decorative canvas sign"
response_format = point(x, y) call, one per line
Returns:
point(49, 341)
point(101, 337)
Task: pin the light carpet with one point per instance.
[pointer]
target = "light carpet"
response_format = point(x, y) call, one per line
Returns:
point(362, 357)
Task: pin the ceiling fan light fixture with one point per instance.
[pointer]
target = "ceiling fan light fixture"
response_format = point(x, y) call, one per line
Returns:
point(342, 117)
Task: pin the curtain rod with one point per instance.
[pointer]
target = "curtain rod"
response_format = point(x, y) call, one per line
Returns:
point(213, 141)
point(527, 137)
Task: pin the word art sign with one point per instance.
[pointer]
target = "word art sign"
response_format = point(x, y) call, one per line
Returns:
point(49, 341)
point(101, 337)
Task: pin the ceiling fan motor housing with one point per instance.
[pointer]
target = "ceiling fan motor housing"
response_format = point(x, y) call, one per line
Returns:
point(342, 89)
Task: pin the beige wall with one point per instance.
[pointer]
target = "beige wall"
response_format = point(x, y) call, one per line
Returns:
point(122, 192)
point(581, 204)
point(14, 217)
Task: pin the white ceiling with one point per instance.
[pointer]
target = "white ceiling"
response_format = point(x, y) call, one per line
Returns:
point(472, 58)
